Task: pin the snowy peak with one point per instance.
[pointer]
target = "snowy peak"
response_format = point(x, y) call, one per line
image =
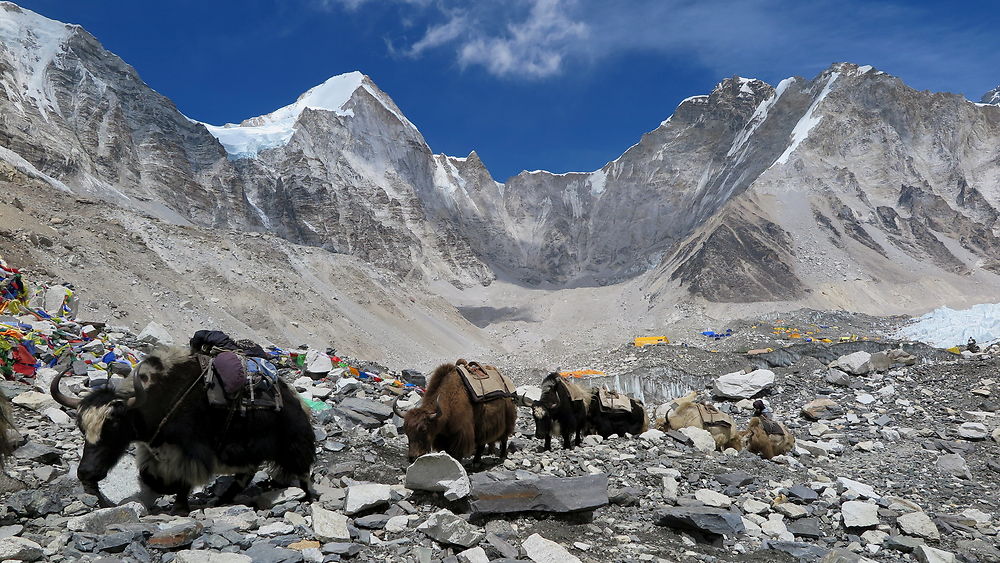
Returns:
point(992, 97)
point(31, 42)
point(275, 129)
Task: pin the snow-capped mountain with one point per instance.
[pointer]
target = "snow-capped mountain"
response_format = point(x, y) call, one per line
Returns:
point(992, 97)
point(850, 185)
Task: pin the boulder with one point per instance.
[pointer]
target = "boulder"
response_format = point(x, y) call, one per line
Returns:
point(701, 439)
point(501, 493)
point(473, 555)
point(35, 401)
point(97, 521)
point(366, 496)
point(918, 524)
point(176, 536)
point(739, 385)
point(367, 407)
point(155, 334)
point(800, 551)
point(953, 464)
point(328, 525)
point(859, 514)
point(541, 550)
point(443, 526)
point(902, 357)
point(927, 554)
point(708, 497)
point(122, 481)
point(19, 549)
point(702, 519)
point(822, 409)
point(199, 556)
point(438, 472)
point(528, 395)
point(973, 431)
point(652, 435)
point(34, 451)
point(858, 363)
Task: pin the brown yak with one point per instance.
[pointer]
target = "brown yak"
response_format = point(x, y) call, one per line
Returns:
point(767, 437)
point(686, 412)
point(447, 420)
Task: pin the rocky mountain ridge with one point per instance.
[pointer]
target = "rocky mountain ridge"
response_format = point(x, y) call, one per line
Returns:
point(848, 190)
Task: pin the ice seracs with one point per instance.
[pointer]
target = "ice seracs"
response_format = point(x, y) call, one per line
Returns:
point(33, 42)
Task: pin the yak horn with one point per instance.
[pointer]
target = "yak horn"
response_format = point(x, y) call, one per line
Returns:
point(139, 392)
point(437, 408)
point(69, 402)
point(395, 409)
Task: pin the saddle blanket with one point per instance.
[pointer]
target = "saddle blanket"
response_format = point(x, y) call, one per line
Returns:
point(614, 401)
point(485, 383)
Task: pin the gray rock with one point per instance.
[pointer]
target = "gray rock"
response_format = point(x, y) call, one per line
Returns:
point(372, 521)
point(918, 524)
point(438, 472)
point(822, 409)
point(344, 549)
point(34, 451)
point(803, 492)
point(798, 550)
point(445, 527)
point(35, 401)
point(329, 525)
point(199, 556)
point(806, 528)
point(859, 514)
point(473, 555)
point(880, 362)
point(905, 544)
point(176, 536)
point(973, 431)
point(495, 494)
point(928, 554)
point(707, 520)
point(366, 496)
point(502, 548)
point(839, 378)
point(358, 418)
point(122, 481)
point(528, 395)
point(19, 549)
point(858, 363)
point(700, 438)
point(953, 464)
point(367, 407)
point(541, 550)
point(97, 522)
point(735, 479)
point(739, 385)
point(155, 334)
point(265, 553)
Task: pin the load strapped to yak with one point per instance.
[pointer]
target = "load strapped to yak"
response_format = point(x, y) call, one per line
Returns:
point(485, 383)
point(237, 375)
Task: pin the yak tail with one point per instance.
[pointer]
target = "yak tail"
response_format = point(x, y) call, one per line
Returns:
point(6, 445)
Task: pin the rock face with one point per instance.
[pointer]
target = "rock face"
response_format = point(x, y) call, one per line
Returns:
point(700, 200)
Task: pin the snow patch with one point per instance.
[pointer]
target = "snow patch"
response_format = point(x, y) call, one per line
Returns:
point(758, 117)
point(275, 129)
point(808, 121)
point(598, 181)
point(28, 169)
point(946, 327)
point(33, 42)
point(863, 69)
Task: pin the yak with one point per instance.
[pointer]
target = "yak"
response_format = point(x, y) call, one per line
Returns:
point(686, 412)
point(183, 441)
point(767, 437)
point(447, 420)
point(562, 410)
point(607, 422)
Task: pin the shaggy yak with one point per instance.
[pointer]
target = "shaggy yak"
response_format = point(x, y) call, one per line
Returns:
point(182, 440)
point(606, 423)
point(447, 420)
point(6, 445)
point(562, 410)
point(686, 412)
point(767, 437)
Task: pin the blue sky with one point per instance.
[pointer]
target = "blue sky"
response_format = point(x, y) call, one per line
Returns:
point(558, 85)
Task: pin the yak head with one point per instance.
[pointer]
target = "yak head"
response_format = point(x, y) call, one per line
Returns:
point(106, 416)
point(421, 424)
point(543, 421)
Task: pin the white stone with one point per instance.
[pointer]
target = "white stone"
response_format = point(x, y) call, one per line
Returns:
point(874, 537)
point(154, 333)
point(859, 488)
point(973, 431)
point(927, 554)
point(438, 472)
point(329, 526)
point(859, 514)
point(918, 524)
point(57, 415)
point(752, 506)
point(35, 401)
point(368, 495)
point(541, 550)
point(201, 556)
point(397, 524)
point(16, 548)
point(703, 440)
point(858, 363)
point(739, 385)
point(712, 498)
point(275, 529)
point(791, 510)
point(97, 521)
point(528, 395)
point(473, 555)
point(653, 435)
point(670, 488)
point(774, 527)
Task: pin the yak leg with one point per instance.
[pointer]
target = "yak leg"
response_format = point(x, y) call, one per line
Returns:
point(503, 449)
point(548, 442)
point(567, 435)
point(579, 434)
point(239, 484)
point(181, 505)
point(478, 460)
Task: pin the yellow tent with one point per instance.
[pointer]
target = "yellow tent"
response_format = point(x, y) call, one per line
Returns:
point(641, 341)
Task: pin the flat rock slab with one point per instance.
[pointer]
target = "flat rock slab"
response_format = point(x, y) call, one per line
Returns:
point(37, 452)
point(367, 407)
point(199, 556)
point(97, 521)
point(447, 528)
point(541, 550)
point(19, 549)
point(704, 519)
point(176, 536)
point(438, 472)
point(545, 494)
